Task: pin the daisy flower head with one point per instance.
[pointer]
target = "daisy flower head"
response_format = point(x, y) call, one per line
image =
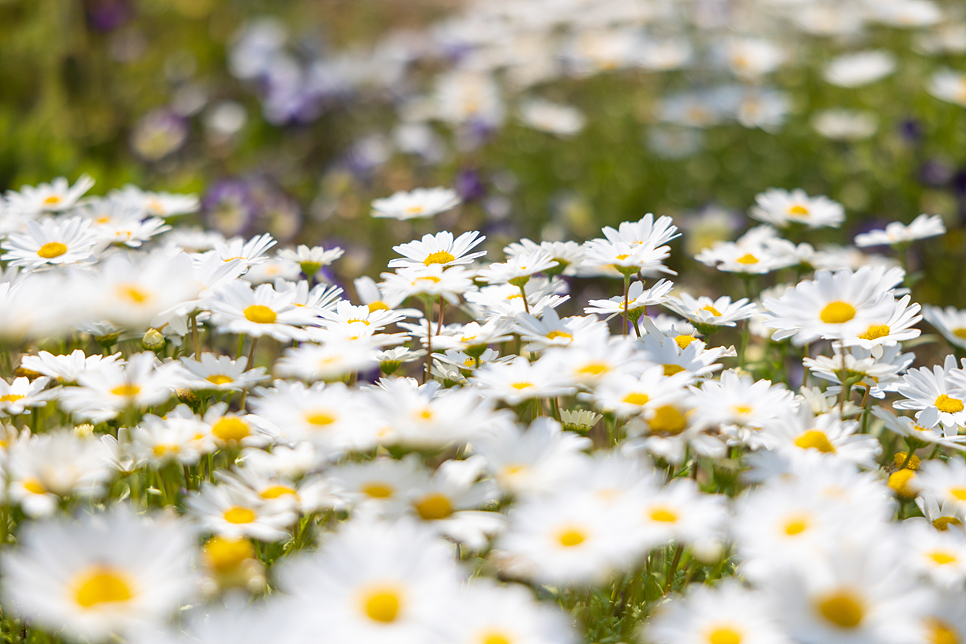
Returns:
point(431, 281)
point(420, 203)
point(248, 252)
point(518, 269)
point(937, 394)
point(51, 242)
point(626, 258)
point(233, 512)
point(310, 259)
point(945, 435)
point(569, 255)
point(708, 314)
point(552, 331)
point(115, 222)
point(782, 208)
point(950, 322)
point(552, 118)
point(638, 299)
point(945, 482)
point(156, 204)
point(17, 396)
point(843, 304)
point(221, 373)
point(56, 196)
point(939, 556)
point(439, 249)
point(757, 252)
point(922, 227)
point(741, 401)
point(859, 68)
point(66, 368)
point(109, 574)
point(237, 308)
point(946, 85)
point(330, 361)
point(896, 327)
point(521, 380)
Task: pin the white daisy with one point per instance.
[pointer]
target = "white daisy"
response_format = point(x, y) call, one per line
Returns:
point(52, 242)
point(420, 203)
point(781, 208)
point(439, 249)
point(921, 227)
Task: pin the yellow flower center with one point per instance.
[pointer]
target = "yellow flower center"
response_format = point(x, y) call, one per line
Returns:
point(815, 439)
point(219, 379)
point(132, 293)
point(378, 306)
point(238, 514)
point(276, 491)
point(378, 490)
point(427, 278)
point(636, 398)
point(415, 210)
point(553, 335)
point(231, 428)
point(795, 526)
point(51, 250)
point(51, 200)
point(102, 585)
point(668, 420)
point(433, 507)
point(942, 523)
point(960, 333)
point(901, 483)
point(663, 514)
point(260, 314)
point(439, 257)
point(622, 257)
point(493, 637)
point(958, 492)
point(320, 418)
point(724, 635)
point(942, 557)
point(742, 410)
point(571, 537)
point(837, 312)
point(798, 211)
point(126, 390)
point(671, 369)
point(949, 405)
point(875, 332)
point(594, 368)
point(521, 385)
point(162, 449)
point(940, 632)
point(902, 459)
point(844, 609)
point(224, 554)
point(34, 486)
point(747, 258)
point(382, 604)
point(710, 309)
point(683, 341)
point(10, 397)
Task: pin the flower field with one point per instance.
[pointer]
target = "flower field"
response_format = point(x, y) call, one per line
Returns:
point(533, 322)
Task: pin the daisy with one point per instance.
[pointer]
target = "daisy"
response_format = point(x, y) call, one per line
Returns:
point(236, 308)
point(781, 208)
point(946, 85)
point(505, 301)
point(156, 204)
point(440, 249)
point(221, 373)
point(626, 395)
point(679, 512)
point(880, 375)
point(551, 331)
point(234, 430)
point(638, 300)
point(17, 396)
point(741, 401)
point(114, 222)
point(370, 485)
point(249, 252)
point(234, 511)
point(757, 252)
point(569, 255)
point(552, 118)
point(175, 438)
point(825, 434)
point(67, 368)
point(509, 614)
point(420, 203)
point(428, 281)
point(677, 353)
point(110, 574)
point(859, 68)
point(939, 556)
point(51, 242)
point(518, 269)
point(894, 328)
point(56, 196)
point(946, 483)
point(922, 227)
point(937, 394)
point(473, 337)
point(708, 314)
point(328, 362)
point(941, 516)
point(310, 260)
point(950, 322)
point(625, 257)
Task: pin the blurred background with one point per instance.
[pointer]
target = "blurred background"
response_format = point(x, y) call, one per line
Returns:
point(551, 118)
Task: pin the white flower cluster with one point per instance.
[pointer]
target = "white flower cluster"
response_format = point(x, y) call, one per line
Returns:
point(272, 460)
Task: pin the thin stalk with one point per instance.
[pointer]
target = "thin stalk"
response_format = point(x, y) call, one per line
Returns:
point(627, 288)
point(674, 567)
point(442, 309)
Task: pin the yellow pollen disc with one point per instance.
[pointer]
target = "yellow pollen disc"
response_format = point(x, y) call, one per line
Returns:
point(724, 635)
point(126, 390)
point(276, 491)
point(10, 397)
point(237, 514)
point(51, 250)
point(747, 259)
point(668, 420)
point(415, 210)
point(430, 278)
point(942, 523)
point(636, 399)
point(521, 385)
point(710, 309)
point(798, 211)
point(378, 490)
point(815, 439)
point(837, 312)
point(744, 410)
point(553, 335)
point(844, 609)
point(161, 449)
point(378, 306)
point(901, 460)
point(683, 341)
point(671, 369)
point(495, 638)
point(901, 483)
point(230, 428)
point(794, 526)
point(102, 585)
point(439, 257)
point(51, 200)
point(622, 257)
point(960, 333)
point(594, 368)
point(260, 314)
point(949, 405)
point(571, 537)
point(219, 379)
point(382, 604)
point(319, 418)
point(132, 293)
point(224, 554)
point(940, 632)
point(34, 486)
point(663, 515)
point(958, 492)
point(942, 557)
point(433, 507)
point(875, 332)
